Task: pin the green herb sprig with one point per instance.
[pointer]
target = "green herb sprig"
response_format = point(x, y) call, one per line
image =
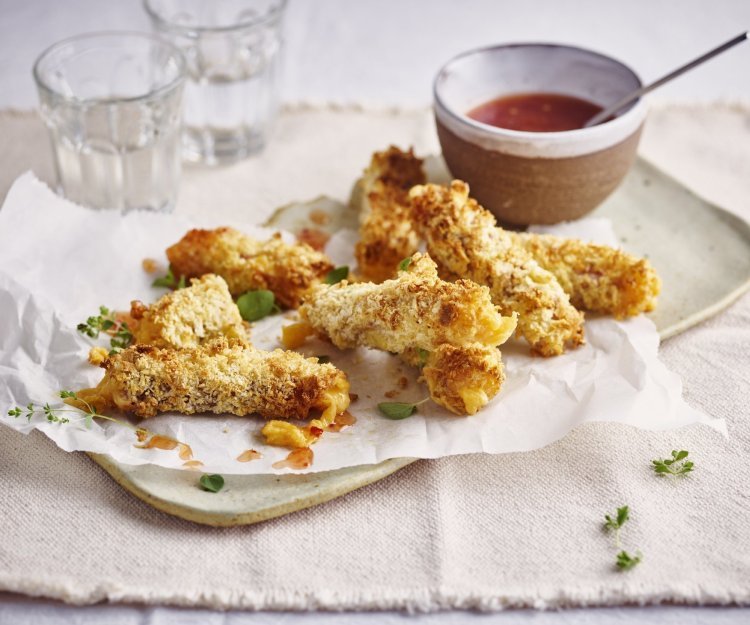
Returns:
point(105, 321)
point(404, 264)
point(213, 483)
point(255, 305)
point(169, 281)
point(337, 275)
point(625, 561)
point(30, 410)
point(397, 410)
point(96, 324)
point(676, 465)
point(616, 521)
point(87, 414)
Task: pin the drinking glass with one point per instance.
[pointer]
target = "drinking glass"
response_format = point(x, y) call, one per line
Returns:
point(112, 104)
point(233, 50)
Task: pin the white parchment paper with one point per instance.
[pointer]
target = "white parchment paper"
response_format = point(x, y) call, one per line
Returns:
point(59, 262)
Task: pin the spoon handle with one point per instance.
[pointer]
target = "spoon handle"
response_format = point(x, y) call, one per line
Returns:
point(634, 95)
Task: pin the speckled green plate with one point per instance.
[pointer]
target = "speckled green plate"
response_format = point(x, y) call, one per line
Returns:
point(701, 252)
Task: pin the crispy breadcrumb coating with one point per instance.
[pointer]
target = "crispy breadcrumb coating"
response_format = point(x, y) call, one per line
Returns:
point(220, 377)
point(189, 317)
point(415, 310)
point(287, 270)
point(451, 329)
point(464, 238)
point(597, 277)
point(381, 196)
point(462, 379)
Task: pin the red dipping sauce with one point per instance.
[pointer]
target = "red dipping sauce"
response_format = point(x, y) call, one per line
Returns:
point(536, 112)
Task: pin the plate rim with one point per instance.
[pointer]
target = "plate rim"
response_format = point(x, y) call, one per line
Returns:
point(390, 466)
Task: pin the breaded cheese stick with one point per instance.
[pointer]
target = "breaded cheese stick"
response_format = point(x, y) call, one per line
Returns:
point(596, 277)
point(189, 317)
point(287, 270)
point(464, 239)
point(450, 328)
point(221, 377)
point(381, 196)
point(416, 310)
point(462, 379)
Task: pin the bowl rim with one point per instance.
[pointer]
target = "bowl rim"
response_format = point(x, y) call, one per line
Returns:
point(577, 133)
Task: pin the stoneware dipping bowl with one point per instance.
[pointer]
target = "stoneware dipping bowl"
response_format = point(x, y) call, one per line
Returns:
point(536, 177)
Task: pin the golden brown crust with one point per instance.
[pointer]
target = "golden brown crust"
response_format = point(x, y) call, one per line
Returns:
point(189, 317)
point(381, 196)
point(220, 377)
point(415, 310)
point(287, 270)
point(597, 277)
point(462, 379)
point(464, 239)
point(450, 328)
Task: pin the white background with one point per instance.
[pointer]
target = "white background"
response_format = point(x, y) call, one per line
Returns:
point(385, 53)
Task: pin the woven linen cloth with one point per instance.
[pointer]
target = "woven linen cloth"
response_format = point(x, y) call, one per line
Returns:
point(473, 531)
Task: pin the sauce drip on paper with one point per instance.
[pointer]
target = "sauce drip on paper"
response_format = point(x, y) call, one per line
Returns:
point(342, 420)
point(297, 459)
point(159, 441)
point(248, 455)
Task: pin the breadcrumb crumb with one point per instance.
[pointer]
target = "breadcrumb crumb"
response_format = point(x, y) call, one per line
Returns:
point(149, 265)
point(97, 355)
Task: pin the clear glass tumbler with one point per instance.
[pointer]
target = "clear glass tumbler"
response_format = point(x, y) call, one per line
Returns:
point(112, 104)
point(233, 50)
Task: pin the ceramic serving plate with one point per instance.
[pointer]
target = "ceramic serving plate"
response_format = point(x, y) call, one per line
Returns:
point(701, 252)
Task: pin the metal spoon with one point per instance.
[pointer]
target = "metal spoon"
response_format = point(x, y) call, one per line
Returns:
point(634, 95)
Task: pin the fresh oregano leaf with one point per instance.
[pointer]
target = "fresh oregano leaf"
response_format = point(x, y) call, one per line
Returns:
point(404, 264)
point(212, 483)
point(397, 410)
point(169, 281)
point(337, 275)
point(255, 305)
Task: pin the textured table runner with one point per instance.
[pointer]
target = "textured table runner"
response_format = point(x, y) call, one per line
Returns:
point(473, 531)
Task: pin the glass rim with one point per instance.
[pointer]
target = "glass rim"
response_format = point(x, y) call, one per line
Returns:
point(176, 82)
point(173, 27)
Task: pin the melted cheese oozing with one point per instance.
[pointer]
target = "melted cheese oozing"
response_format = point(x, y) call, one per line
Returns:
point(473, 398)
point(284, 434)
point(499, 331)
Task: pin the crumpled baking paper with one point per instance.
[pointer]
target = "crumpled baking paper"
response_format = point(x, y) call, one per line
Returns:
point(59, 262)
